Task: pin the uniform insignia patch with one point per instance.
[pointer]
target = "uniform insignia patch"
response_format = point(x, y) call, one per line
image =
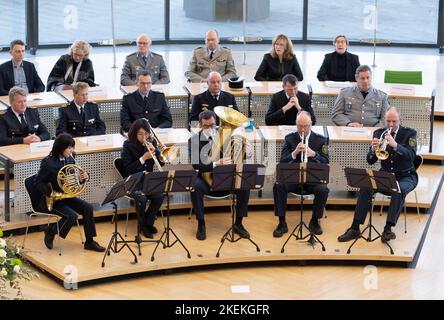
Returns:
point(204, 107)
point(412, 142)
point(325, 149)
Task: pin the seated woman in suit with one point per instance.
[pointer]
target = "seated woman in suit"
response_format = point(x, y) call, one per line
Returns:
point(136, 157)
point(280, 61)
point(68, 209)
point(339, 65)
point(72, 67)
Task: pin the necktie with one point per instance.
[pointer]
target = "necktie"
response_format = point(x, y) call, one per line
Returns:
point(215, 97)
point(22, 120)
point(144, 59)
point(211, 55)
point(82, 114)
point(145, 100)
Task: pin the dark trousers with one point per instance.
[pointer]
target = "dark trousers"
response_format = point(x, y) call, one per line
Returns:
point(68, 209)
point(202, 188)
point(146, 218)
point(280, 192)
point(406, 184)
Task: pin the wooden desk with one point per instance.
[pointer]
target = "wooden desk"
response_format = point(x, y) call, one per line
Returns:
point(97, 160)
point(99, 95)
point(416, 109)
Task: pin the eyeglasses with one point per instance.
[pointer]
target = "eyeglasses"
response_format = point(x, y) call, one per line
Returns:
point(143, 43)
point(145, 83)
point(208, 126)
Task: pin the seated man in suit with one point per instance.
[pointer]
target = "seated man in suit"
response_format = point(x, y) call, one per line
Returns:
point(204, 159)
point(212, 57)
point(401, 146)
point(18, 72)
point(144, 59)
point(339, 65)
point(145, 103)
point(20, 124)
point(301, 146)
point(361, 105)
point(285, 104)
point(212, 98)
point(80, 117)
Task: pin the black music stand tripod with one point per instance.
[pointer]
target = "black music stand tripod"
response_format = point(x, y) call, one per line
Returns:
point(374, 180)
point(300, 174)
point(120, 189)
point(173, 181)
point(229, 178)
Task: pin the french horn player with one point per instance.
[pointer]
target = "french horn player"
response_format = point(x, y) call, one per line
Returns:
point(206, 150)
point(304, 145)
point(59, 181)
point(400, 146)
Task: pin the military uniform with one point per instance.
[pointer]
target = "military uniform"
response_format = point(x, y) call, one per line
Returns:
point(201, 64)
point(206, 101)
point(350, 106)
point(319, 145)
point(154, 64)
point(72, 122)
point(401, 163)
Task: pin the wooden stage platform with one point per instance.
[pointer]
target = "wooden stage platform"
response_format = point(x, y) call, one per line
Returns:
point(81, 266)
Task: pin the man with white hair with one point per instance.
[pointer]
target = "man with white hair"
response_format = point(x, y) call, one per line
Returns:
point(212, 57)
point(144, 59)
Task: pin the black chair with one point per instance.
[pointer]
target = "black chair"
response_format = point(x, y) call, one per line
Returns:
point(118, 165)
point(417, 164)
point(35, 195)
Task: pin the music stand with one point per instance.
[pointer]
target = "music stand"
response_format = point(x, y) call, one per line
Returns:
point(374, 180)
point(120, 189)
point(173, 181)
point(229, 178)
point(300, 174)
point(153, 183)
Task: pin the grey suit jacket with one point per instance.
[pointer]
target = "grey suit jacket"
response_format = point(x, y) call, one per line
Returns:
point(155, 65)
point(350, 106)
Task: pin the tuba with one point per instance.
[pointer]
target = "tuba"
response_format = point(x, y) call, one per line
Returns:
point(233, 145)
point(68, 179)
point(381, 152)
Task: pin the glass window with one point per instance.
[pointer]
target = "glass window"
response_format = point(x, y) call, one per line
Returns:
point(397, 21)
point(12, 21)
point(190, 19)
point(66, 20)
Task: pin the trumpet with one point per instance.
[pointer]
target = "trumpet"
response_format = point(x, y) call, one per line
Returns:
point(304, 153)
point(167, 154)
point(381, 152)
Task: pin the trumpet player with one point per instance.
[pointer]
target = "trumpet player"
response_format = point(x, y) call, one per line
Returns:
point(401, 147)
point(68, 209)
point(200, 146)
point(302, 146)
point(138, 155)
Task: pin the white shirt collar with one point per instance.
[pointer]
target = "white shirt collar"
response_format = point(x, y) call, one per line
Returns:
point(18, 115)
point(78, 107)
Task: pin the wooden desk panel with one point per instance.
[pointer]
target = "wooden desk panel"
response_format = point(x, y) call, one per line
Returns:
point(40, 100)
point(278, 133)
point(97, 94)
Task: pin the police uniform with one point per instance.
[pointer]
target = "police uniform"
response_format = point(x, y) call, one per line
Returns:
point(201, 64)
point(198, 150)
point(152, 107)
point(351, 106)
point(72, 122)
point(401, 163)
point(131, 154)
point(13, 132)
point(318, 144)
point(153, 63)
point(68, 208)
point(206, 101)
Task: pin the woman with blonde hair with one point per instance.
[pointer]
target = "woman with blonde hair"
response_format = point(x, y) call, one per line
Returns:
point(280, 61)
point(72, 67)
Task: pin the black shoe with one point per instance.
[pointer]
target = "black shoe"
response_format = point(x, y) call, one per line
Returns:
point(388, 235)
point(280, 230)
point(93, 246)
point(201, 233)
point(147, 233)
point(241, 231)
point(49, 238)
point(151, 229)
point(315, 227)
point(350, 234)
